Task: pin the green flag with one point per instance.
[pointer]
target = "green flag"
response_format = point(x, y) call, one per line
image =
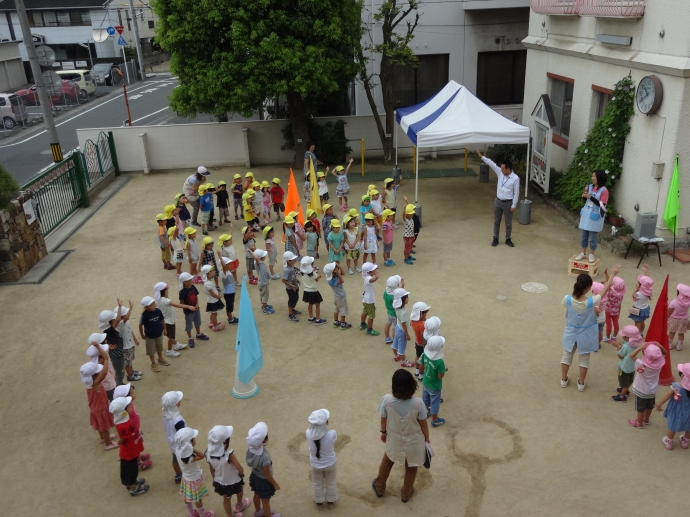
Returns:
point(673, 201)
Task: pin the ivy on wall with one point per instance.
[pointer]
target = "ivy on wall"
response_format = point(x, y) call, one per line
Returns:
point(602, 148)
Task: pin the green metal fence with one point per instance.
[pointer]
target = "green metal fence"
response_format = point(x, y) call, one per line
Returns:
point(64, 187)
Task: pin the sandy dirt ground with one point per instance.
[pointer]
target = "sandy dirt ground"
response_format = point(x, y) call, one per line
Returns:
point(514, 443)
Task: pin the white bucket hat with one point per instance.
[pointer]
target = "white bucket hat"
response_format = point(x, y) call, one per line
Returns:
point(417, 309)
point(434, 347)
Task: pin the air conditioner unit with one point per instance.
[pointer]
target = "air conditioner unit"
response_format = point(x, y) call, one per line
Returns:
point(645, 225)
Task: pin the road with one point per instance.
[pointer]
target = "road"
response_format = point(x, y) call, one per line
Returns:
point(148, 102)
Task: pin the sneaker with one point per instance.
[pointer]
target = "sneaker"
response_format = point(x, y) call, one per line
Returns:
point(238, 283)
point(412, 258)
point(684, 442)
point(580, 387)
point(564, 383)
point(350, 271)
point(668, 443)
point(438, 422)
point(267, 310)
point(413, 251)
point(178, 478)
point(494, 242)
point(362, 326)
point(336, 324)
point(409, 261)
point(420, 377)
point(510, 243)
point(233, 321)
point(345, 326)
point(212, 227)
point(240, 507)
point(389, 340)
point(179, 346)
point(164, 362)
point(679, 346)
point(140, 489)
point(311, 320)
point(275, 276)
point(320, 322)
point(592, 258)
point(373, 332)
point(202, 336)
point(154, 367)
point(619, 398)
point(579, 256)
point(205, 232)
point(358, 269)
point(293, 318)
point(171, 353)
point(388, 263)
point(196, 224)
point(635, 423)
point(190, 342)
point(295, 311)
point(133, 378)
point(619, 390)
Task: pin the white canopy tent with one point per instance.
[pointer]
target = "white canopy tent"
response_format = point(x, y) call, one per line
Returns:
point(455, 117)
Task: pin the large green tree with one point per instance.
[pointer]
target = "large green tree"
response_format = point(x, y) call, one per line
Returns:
point(231, 55)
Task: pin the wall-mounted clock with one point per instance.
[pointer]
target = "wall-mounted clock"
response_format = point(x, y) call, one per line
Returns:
point(650, 93)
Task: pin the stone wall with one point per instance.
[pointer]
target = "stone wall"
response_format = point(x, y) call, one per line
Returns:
point(22, 245)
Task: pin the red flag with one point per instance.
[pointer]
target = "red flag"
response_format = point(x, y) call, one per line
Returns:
point(658, 331)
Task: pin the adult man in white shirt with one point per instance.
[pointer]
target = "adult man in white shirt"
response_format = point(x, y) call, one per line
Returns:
point(507, 192)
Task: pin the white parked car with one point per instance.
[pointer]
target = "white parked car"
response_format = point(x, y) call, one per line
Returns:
point(12, 110)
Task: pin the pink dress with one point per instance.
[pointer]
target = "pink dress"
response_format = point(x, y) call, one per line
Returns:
point(613, 303)
point(101, 417)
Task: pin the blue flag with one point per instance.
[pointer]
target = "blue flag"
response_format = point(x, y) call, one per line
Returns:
point(250, 358)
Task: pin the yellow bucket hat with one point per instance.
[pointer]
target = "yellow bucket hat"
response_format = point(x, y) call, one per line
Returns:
point(310, 212)
point(267, 229)
point(289, 219)
point(409, 209)
point(169, 209)
point(177, 197)
point(244, 230)
point(276, 181)
point(209, 185)
point(189, 231)
point(387, 212)
point(249, 175)
point(365, 197)
point(171, 231)
point(371, 187)
point(160, 217)
point(339, 168)
point(373, 192)
point(346, 220)
point(265, 184)
point(327, 206)
point(237, 176)
point(256, 184)
point(223, 238)
point(369, 216)
point(293, 214)
point(207, 241)
point(320, 175)
point(203, 187)
point(221, 183)
point(335, 223)
point(387, 181)
point(352, 212)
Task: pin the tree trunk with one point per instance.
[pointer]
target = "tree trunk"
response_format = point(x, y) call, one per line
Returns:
point(300, 131)
point(386, 142)
point(385, 77)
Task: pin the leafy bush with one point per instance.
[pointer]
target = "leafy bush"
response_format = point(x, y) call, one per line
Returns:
point(516, 153)
point(8, 188)
point(331, 143)
point(602, 148)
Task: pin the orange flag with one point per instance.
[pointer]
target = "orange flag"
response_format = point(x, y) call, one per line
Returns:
point(293, 202)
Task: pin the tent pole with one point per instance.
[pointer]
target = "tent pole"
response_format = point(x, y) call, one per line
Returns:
point(416, 180)
point(395, 134)
point(527, 167)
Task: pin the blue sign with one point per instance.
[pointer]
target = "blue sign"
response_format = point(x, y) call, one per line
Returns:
point(121, 41)
point(110, 30)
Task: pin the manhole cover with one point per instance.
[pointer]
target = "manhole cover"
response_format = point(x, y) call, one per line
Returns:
point(501, 297)
point(534, 287)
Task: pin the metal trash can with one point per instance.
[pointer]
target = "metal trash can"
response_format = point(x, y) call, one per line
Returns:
point(396, 175)
point(483, 173)
point(525, 211)
point(418, 211)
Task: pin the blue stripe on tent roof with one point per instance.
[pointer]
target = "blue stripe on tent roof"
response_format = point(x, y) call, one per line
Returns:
point(403, 112)
point(415, 128)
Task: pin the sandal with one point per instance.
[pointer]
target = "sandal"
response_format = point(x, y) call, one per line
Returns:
point(245, 504)
point(219, 327)
point(110, 447)
point(145, 465)
point(144, 457)
point(111, 436)
point(210, 324)
point(407, 364)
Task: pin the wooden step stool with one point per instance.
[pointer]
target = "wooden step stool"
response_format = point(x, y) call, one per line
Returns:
point(577, 267)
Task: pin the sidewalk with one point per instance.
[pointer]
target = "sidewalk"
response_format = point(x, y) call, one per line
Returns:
point(515, 443)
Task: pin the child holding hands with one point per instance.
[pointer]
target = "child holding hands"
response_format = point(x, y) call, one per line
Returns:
point(677, 413)
point(626, 366)
point(227, 472)
point(261, 480)
point(192, 488)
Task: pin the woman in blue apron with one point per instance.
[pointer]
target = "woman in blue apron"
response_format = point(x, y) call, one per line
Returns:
point(596, 196)
point(581, 329)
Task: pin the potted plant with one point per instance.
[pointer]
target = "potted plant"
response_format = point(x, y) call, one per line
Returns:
point(614, 219)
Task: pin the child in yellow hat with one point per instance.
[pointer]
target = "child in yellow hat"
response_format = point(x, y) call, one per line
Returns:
point(387, 229)
point(272, 250)
point(277, 197)
point(222, 203)
point(290, 236)
point(312, 217)
point(192, 253)
point(248, 181)
point(323, 187)
point(326, 221)
point(376, 207)
point(163, 242)
point(369, 241)
point(266, 203)
point(335, 242)
point(177, 250)
point(389, 196)
point(206, 205)
point(343, 188)
point(227, 250)
point(237, 191)
point(409, 233)
point(249, 245)
point(258, 201)
point(207, 256)
point(352, 243)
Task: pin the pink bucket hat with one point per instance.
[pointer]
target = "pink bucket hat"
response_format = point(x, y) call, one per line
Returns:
point(685, 379)
point(683, 297)
point(618, 286)
point(633, 335)
point(646, 284)
point(653, 358)
point(597, 287)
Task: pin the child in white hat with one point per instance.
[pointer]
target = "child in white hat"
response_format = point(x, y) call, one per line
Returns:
point(370, 275)
point(129, 342)
point(228, 281)
point(92, 375)
point(392, 284)
point(334, 277)
point(172, 422)
point(322, 457)
point(417, 320)
point(261, 480)
point(311, 295)
point(152, 330)
point(402, 333)
point(264, 276)
point(434, 369)
point(127, 390)
point(192, 487)
point(291, 284)
point(226, 469)
point(189, 295)
point(93, 352)
point(166, 306)
point(131, 445)
point(213, 303)
point(108, 322)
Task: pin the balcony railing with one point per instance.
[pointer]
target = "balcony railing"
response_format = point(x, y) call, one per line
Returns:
point(601, 8)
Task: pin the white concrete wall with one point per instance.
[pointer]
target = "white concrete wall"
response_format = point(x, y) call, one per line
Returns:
point(568, 49)
point(447, 28)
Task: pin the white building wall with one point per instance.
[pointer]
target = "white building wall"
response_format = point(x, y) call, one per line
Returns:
point(566, 46)
point(447, 28)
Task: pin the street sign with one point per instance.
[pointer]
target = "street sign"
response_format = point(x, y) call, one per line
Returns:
point(121, 41)
point(110, 31)
point(119, 28)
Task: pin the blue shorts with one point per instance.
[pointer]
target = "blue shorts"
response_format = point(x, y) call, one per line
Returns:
point(399, 341)
point(432, 400)
point(644, 315)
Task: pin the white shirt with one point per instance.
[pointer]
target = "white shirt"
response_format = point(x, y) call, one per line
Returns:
point(327, 450)
point(229, 252)
point(225, 473)
point(323, 188)
point(508, 186)
point(125, 331)
point(168, 310)
point(368, 294)
point(646, 380)
point(641, 301)
point(210, 285)
point(191, 471)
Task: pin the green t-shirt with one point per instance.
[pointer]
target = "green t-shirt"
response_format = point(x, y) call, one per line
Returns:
point(388, 301)
point(432, 369)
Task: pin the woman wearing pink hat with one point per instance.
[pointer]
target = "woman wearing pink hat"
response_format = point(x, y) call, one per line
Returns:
point(639, 312)
point(646, 381)
point(677, 412)
point(678, 319)
point(581, 329)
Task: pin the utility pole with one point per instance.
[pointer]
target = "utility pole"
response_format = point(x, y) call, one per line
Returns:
point(136, 39)
point(40, 87)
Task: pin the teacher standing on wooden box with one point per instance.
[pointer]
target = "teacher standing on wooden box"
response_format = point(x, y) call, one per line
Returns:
point(596, 197)
point(507, 192)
